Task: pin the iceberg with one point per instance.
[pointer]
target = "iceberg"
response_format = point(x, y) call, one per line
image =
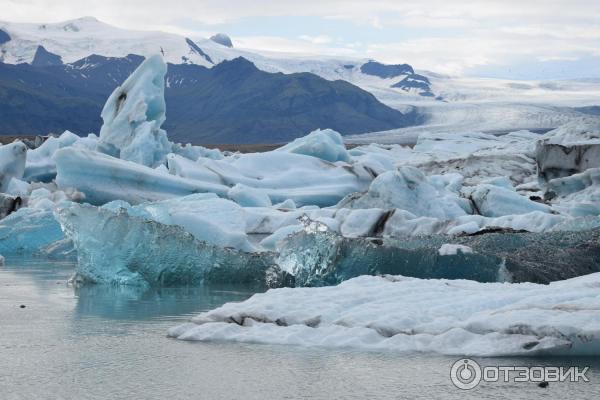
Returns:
point(28, 230)
point(570, 149)
point(103, 178)
point(40, 166)
point(306, 180)
point(133, 115)
point(409, 189)
point(325, 144)
point(144, 252)
point(9, 204)
point(396, 313)
point(12, 163)
point(496, 201)
point(322, 257)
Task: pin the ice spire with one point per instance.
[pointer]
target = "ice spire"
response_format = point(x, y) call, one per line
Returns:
point(133, 115)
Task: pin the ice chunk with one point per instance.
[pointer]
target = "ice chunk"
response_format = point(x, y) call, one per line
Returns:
point(12, 163)
point(249, 197)
point(103, 178)
point(578, 194)
point(133, 115)
point(9, 204)
point(363, 222)
point(144, 252)
point(1, 260)
point(272, 241)
point(40, 166)
point(28, 230)
point(448, 249)
point(570, 149)
point(409, 189)
point(281, 176)
point(195, 152)
point(325, 144)
point(496, 201)
point(323, 258)
point(209, 218)
point(17, 187)
point(448, 317)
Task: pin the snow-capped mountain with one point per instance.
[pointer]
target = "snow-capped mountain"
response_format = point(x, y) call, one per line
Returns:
point(443, 103)
point(76, 39)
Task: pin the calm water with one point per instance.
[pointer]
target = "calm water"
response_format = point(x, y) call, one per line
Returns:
point(108, 343)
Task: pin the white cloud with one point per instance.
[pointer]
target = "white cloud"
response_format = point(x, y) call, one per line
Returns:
point(319, 39)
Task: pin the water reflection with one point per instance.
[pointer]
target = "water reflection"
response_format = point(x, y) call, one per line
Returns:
point(127, 303)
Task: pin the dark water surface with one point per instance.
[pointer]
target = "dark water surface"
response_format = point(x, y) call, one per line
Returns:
point(110, 343)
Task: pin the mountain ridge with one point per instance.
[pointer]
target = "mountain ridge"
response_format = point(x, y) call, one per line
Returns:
point(233, 102)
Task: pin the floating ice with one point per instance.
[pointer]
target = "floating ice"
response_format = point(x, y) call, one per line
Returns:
point(326, 258)
point(570, 149)
point(406, 314)
point(40, 166)
point(103, 178)
point(249, 197)
point(117, 248)
point(578, 194)
point(281, 176)
point(28, 230)
point(133, 116)
point(409, 189)
point(12, 163)
point(497, 201)
point(448, 249)
point(9, 204)
point(325, 144)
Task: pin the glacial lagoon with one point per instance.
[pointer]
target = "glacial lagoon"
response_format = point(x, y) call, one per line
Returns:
point(99, 342)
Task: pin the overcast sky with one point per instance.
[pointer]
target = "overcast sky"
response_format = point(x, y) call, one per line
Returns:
point(526, 39)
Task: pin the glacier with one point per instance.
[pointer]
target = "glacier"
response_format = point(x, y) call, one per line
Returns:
point(397, 313)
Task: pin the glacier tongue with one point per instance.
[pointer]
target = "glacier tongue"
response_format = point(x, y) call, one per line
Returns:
point(407, 314)
point(133, 115)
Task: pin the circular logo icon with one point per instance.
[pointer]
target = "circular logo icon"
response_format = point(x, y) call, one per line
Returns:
point(465, 374)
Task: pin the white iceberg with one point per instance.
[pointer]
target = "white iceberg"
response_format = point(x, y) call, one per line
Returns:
point(325, 144)
point(133, 115)
point(497, 201)
point(449, 249)
point(40, 166)
point(409, 189)
point(281, 176)
point(12, 163)
point(103, 178)
point(413, 315)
